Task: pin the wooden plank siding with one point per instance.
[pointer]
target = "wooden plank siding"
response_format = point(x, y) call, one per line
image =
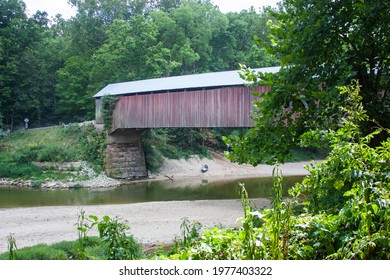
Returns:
point(219, 107)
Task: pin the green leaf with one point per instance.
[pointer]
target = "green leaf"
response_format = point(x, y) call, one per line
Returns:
point(93, 218)
point(375, 208)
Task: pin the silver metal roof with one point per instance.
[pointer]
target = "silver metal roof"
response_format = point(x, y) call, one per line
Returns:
point(206, 80)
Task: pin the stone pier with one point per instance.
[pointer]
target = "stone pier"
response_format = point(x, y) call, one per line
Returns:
point(124, 157)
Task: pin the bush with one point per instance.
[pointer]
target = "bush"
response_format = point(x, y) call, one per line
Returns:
point(43, 153)
point(121, 246)
point(55, 153)
point(92, 145)
point(26, 155)
point(12, 170)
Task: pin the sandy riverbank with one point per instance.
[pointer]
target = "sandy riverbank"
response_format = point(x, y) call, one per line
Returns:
point(151, 223)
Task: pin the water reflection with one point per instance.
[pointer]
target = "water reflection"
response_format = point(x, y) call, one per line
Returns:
point(142, 192)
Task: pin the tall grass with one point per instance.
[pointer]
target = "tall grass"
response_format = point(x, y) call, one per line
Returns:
point(55, 144)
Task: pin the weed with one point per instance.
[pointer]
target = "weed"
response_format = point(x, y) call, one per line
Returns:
point(120, 245)
point(84, 225)
point(190, 231)
point(12, 248)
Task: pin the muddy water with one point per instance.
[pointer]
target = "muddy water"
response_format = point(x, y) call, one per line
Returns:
point(142, 192)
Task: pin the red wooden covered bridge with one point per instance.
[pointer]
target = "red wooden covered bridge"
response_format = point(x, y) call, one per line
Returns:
point(218, 99)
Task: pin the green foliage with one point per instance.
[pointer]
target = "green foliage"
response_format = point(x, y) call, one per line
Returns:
point(3, 134)
point(263, 234)
point(66, 250)
point(75, 103)
point(347, 214)
point(56, 144)
point(94, 249)
point(13, 170)
point(121, 246)
point(92, 144)
point(352, 161)
point(43, 153)
point(38, 252)
point(12, 248)
point(154, 141)
point(321, 45)
point(353, 185)
point(190, 231)
point(84, 225)
point(108, 107)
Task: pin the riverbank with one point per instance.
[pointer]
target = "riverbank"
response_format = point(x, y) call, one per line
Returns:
point(154, 223)
point(219, 168)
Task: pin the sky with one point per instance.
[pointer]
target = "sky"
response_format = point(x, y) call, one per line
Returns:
point(53, 7)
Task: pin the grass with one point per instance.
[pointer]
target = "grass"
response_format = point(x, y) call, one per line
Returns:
point(65, 250)
point(21, 148)
point(23, 139)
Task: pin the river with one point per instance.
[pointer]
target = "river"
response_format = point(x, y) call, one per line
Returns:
point(148, 191)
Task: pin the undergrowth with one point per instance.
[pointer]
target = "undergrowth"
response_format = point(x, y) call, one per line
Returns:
point(63, 143)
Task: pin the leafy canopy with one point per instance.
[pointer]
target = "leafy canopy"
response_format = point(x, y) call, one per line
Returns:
point(321, 45)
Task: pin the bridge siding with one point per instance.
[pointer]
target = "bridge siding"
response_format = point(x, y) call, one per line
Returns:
point(220, 107)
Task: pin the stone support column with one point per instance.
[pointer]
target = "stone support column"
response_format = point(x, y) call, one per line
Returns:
point(124, 157)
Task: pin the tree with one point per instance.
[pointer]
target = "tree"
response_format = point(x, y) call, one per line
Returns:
point(240, 36)
point(321, 45)
point(25, 80)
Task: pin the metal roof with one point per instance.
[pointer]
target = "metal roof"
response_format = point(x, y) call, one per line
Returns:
point(206, 80)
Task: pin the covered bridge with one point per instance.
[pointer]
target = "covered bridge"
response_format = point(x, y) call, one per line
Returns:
point(203, 100)
point(218, 99)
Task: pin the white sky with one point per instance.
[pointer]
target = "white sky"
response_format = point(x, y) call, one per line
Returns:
point(53, 7)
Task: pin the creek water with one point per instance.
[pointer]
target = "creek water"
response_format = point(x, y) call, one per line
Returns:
point(147, 191)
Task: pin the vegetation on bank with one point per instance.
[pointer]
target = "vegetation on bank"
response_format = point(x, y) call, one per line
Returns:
point(74, 142)
point(66, 143)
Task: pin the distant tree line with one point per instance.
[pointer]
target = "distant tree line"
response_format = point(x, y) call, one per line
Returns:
point(51, 68)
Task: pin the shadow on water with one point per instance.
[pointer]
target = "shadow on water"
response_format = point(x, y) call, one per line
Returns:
point(147, 191)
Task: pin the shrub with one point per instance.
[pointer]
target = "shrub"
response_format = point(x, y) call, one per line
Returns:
point(121, 246)
point(55, 153)
point(12, 170)
point(92, 145)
